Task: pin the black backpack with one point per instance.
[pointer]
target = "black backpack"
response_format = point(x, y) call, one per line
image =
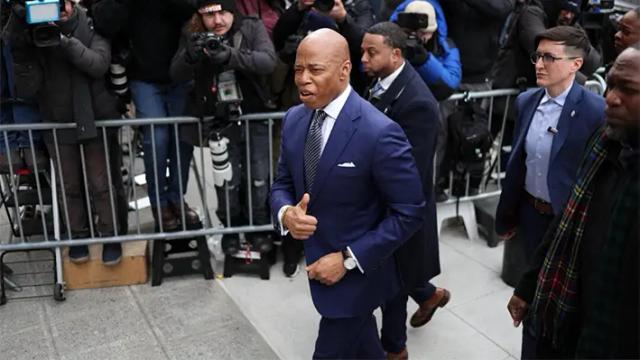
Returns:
point(469, 143)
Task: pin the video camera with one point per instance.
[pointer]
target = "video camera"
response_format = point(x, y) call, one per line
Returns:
point(39, 14)
point(602, 4)
point(210, 41)
point(415, 51)
point(412, 21)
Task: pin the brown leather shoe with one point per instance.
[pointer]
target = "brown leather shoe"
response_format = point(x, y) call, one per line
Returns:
point(427, 308)
point(190, 216)
point(169, 221)
point(402, 355)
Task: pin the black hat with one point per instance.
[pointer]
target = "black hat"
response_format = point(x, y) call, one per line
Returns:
point(205, 6)
point(570, 5)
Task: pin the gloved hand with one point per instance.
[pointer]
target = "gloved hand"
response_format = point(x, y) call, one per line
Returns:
point(288, 52)
point(221, 55)
point(195, 49)
point(419, 56)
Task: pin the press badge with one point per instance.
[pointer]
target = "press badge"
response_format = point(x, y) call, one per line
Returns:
point(228, 89)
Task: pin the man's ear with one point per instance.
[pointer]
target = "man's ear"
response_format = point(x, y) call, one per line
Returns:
point(397, 53)
point(577, 64)
point(345, 70)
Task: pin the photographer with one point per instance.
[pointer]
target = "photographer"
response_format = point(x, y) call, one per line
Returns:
point(434, 56)
point(222, 53)
point(350, 18)
point(21, 80)
point(74, 91)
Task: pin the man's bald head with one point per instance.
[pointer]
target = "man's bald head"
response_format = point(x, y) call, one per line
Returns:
point(328, 42)
point(322, 67)
point(623, 97)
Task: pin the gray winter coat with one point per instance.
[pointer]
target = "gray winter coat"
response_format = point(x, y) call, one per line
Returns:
point(74, 88)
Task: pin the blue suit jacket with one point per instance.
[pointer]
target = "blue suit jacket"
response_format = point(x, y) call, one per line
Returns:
point(410, 103)
point(582, 114)
point(372, 207)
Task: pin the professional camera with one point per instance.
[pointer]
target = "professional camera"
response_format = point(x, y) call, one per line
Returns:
point(38, 14)
point(415, 51)
point(412, 21)
point(211, 41)
point(324, 5)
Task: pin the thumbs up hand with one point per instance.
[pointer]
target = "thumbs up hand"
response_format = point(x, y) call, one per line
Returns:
point(296, 220)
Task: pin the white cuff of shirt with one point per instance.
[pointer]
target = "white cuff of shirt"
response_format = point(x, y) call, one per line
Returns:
point(355, 258)
point(283, 231)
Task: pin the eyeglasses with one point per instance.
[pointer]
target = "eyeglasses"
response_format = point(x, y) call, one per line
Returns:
point(548, 58)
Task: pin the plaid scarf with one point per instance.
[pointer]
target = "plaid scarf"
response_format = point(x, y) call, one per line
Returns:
point(555, 303)
point(600, 338)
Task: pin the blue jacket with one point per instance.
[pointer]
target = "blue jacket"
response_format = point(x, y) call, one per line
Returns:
point(582, 114)
point(443, 68)
point(366, 195)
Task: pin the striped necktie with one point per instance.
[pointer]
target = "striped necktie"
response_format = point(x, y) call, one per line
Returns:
point(313, 149)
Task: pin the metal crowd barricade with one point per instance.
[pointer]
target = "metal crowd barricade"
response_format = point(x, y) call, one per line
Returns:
point(463, 206)
point(201, 167)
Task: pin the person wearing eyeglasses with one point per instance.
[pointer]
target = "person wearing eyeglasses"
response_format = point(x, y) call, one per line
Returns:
point(553, 124)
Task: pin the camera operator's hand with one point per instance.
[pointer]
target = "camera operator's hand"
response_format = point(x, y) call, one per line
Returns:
point(220, 56)
point(419, 56)
point(338, 12)
point(304, 4)
point(195, 49)
point(288, 52)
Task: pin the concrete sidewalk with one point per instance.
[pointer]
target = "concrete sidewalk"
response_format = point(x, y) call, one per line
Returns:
point(185, 318)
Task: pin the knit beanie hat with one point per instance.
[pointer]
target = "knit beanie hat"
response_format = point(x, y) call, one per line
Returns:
point(423, 7)
point(205, 6)
point(570, 5)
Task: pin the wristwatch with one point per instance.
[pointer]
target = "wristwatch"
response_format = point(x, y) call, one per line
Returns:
point(348, 261)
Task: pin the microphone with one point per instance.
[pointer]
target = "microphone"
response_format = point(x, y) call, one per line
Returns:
point(552, 130)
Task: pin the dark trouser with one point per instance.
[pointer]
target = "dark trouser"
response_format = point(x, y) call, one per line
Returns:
point(120, 195)
point(292, 249)
point(394, 323)
point(98, 185)
point(422, 294)
point(394, 317)
point(257, 165)
point(531, 229)
point(348, 338)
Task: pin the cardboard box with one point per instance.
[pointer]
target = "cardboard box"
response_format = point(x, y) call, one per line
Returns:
point(132, 269)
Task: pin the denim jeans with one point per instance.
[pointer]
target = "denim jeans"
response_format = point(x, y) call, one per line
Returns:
point(14, 113)
point(157, 101)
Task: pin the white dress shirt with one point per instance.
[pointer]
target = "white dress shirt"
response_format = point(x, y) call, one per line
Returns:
point(539, 141)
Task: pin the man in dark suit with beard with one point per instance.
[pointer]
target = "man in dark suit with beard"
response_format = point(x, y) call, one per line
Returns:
point(401, 94)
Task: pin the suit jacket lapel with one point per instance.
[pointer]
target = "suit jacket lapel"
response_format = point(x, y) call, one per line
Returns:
point(527, 116)
point(299, 140)
point(392, 92)
point(570, 111)
point(341, 133)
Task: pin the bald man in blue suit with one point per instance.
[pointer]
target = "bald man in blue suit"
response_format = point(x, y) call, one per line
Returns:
point(347, 185)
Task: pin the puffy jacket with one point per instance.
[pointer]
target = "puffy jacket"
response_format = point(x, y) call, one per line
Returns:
point(153, 28)
point(474, 25)
point(442, 71)
point(78, 64)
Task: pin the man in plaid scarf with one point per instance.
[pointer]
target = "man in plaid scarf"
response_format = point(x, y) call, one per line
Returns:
point(582, 289)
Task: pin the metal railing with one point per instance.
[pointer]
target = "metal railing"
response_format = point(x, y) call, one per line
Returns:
point(201, 166)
